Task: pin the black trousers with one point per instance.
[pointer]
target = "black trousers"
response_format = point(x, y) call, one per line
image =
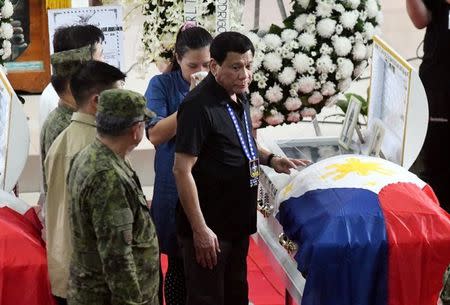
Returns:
point(433, 163)
point(226, 283)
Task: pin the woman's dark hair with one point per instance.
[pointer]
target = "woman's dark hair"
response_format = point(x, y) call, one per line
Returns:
point(192, 38)
point(229, 42)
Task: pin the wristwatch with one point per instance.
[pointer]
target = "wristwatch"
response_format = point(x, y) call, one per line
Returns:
point(269, 159)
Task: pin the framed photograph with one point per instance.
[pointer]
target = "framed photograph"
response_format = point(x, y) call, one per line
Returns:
point(29, 64)
point(376, 138)
point(350, 121)
point(107, 18)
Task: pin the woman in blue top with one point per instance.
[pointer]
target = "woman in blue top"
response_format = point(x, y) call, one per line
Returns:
point(164, 94)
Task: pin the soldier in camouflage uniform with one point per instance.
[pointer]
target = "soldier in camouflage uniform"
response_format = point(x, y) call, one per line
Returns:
point(115, 256)
point(445, 294)
point(65, 63)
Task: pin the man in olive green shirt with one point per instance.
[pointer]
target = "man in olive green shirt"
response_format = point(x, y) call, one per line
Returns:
point(115, 257)
point(73, 45)
point(86, 85)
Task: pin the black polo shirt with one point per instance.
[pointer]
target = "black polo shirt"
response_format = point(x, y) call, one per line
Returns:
point(221, 173)
point(435, 68)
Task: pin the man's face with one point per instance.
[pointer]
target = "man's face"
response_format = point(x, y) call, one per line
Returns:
point(235, 73)
point(97, 53)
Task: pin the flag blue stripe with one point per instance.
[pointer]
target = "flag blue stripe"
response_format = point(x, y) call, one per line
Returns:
point(343, 246)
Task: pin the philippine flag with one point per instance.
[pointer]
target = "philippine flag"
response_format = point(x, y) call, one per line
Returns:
point(368, 231)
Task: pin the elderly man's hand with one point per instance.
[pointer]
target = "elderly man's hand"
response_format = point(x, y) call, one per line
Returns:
point(283, 165)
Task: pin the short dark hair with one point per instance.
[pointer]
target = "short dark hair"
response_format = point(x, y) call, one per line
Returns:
point(76, 36)
point(193, 38)
point(93, 77)
point(69, 38)
point(227, 42)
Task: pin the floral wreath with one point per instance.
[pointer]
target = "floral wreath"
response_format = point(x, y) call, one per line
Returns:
point(6, 29)
point(165, 17)
point(301, 67)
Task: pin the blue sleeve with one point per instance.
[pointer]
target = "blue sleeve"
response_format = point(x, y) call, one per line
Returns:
point(157, 99)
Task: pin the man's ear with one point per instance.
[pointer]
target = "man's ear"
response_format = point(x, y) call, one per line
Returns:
point(94, 101)
point(213, 66)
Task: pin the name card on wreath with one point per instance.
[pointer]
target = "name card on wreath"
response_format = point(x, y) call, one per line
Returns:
point(222, 16)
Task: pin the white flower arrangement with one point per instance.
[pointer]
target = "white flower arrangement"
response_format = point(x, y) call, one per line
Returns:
point(303, 66)
point(164, 19)
point(6, 29)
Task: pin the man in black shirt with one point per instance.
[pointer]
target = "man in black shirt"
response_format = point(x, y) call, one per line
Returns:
point(216, 170)
point(433, 164)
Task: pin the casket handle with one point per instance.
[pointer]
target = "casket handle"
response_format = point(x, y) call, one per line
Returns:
point(265, 208)
point(287, 244)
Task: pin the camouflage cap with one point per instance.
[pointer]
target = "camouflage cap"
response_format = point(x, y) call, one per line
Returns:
point(65, 63)
point(120, 108)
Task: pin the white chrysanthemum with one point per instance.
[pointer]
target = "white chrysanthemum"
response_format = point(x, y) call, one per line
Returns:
point(344, 84)
point(311, 19)
point(287, 77)
point(380, 17)
point(293, 93)
point(7, 10)
point(306, 84)
point(324, 9)
point(323, 78)
point(256, 114)
point(6, 30)
point(256, 64)
point(274, 94)
point(308, 112)
point(323, 64)
point(300, 22)
point(293, 117)
point(272, 62)
point(303, 3)
point(289, 35)
point(325, 49)
point(345, 67)
point(287, 54)
point(358, 37)
point(371, 8)
point(342, 46)
point(328, 89)
point(339, 8)
point(369, 30)
point(275, 118)
point(256, 99)
point(258, 76)
point(295, 86)
point(315, 98)
point(325, 27)
point(272, 41)
point(360, 68)
point(307, 41)
point(293, 44)
point(301, 62)
point(254, 38)
point(354, 3)
point(262, 84)
point(292, 103)
point(339, 29)
point(359, 51)
point(349, 19)
point(6, 46)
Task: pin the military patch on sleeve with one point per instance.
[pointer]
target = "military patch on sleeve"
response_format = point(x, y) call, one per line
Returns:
point(127, 236)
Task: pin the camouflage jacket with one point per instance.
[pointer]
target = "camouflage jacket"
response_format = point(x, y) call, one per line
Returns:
point(445, 294)
point(55, 123)
point(115, 256)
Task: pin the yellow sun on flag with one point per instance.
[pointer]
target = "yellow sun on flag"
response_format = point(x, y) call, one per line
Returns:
point(288, 189)
point(356, 166)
